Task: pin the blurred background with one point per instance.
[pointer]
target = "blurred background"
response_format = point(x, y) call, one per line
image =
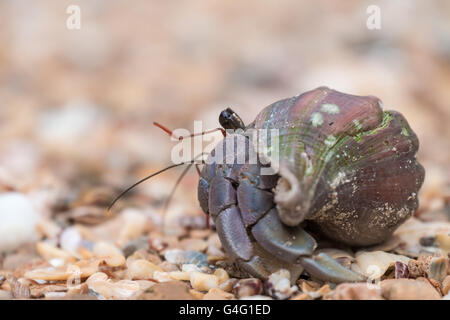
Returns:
point(77, 106)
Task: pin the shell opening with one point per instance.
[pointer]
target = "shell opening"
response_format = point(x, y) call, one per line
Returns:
point(288, 197)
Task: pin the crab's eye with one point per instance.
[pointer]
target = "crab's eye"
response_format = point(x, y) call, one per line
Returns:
point(229, 119)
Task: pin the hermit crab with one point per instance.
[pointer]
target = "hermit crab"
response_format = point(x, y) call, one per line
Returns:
point(345, 170)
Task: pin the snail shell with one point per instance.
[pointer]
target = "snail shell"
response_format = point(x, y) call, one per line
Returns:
point(345, 165)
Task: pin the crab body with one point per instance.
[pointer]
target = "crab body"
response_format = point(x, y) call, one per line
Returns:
point(344, 168)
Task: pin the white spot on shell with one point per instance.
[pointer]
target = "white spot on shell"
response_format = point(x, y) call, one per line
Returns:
point(316, 119)
point(330, 140)
point(330, 108)
point(338, 179)
point(358, 124)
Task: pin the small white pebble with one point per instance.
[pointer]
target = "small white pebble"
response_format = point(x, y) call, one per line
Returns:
point(98, 276)
point(161, 276)
point(203, 282)
point(281, 285)
point(70, 240)
point(222, 275)
point(190, 268)
point(142, 269)
point(180, 275)
point(56, 262)
point(18, 221)
point(105, 249)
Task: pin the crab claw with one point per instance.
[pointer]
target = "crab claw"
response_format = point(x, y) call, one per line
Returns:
point(284, 242)
point(323, 267)
point(262, 264)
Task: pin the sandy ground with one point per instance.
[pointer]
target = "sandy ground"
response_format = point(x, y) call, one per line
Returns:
point(76, 113)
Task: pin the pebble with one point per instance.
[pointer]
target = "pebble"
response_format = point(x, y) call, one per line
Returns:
point(300, 296)
point(412, 230)
point(168, 267)
point(248, 287)
point(222, 275)
point(98, 276)
point(214, 240)
point(105, 249)
point(438, 268)
point(258, 297)
point(142, 269)
point(308, 285)
point(374, 264)
point(135, 224)
point(419, 267)
point(200, 233)
point(70, 240)
point(196, 294)
point(114, 261)
point(145, 284)
point(55, 295)
point(158, 242)
point(180, 275)
point(190, 268)
point(19, 290)
point(443, 241)
point(177, 256)
point(171, 290)
point(18, 221)
point(109, 253)
point(279, 285)
point(408, 289)
point(49, 251)
point(89, 215)
point(215, 253)
point(218, 294)
point(136, 244)
point(144, 254)
point(41, 291)
point(48, 274)
point(82, 289)
point(228, 285)
point(357, 291)
point(203, 282)
point(15, 260)
point(400, 270)
point(162, 276)
point(341, 256)
point(81, 268)
point(84, 253)
point(5, 295)
point(193, 244)
point(314, 293)
point(123, 289)
point(446, 285)
point(48, 228)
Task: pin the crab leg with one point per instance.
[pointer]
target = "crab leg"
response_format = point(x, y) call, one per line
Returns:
point(253, 202)
point(232, 232)
point(325, 268)
point(294, 245)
